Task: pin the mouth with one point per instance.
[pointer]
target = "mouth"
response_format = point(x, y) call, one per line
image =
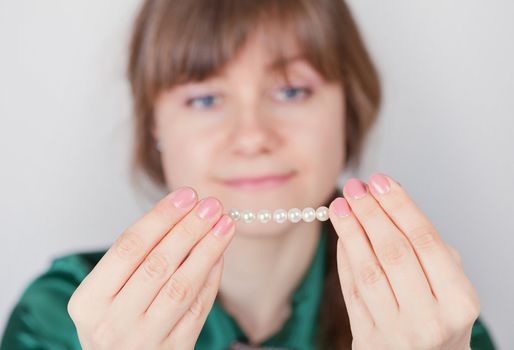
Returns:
point(264, 182)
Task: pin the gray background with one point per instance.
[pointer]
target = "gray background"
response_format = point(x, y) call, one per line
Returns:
point(444, 131)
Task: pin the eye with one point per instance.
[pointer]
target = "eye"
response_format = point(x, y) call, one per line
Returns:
point(202, 102)
point(292, 92)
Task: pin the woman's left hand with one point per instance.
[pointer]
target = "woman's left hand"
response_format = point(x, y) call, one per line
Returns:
point(404, 288)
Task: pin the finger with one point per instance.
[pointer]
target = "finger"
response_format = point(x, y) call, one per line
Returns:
point(179, 292)
point(188, 328)
point(123, 257)
point(442, 271)
point(369, 276)
point(360, 318)
point(455, 254)
point(392, 249)
point(164, 259)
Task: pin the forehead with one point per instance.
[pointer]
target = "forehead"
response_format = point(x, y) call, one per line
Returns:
point(270, 47)
point(261, 56)
point(263, 61)
point(295, 66)
point(270, 54)
point(292, 67)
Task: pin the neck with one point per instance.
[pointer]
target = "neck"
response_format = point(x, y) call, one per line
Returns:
point(260, 275)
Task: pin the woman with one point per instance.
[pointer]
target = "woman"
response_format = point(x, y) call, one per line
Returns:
point(290, 94)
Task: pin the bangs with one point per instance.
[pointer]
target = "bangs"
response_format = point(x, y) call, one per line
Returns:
point(179, 41)
point(194, 40)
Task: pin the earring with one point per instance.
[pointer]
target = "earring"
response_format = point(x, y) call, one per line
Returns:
point(158, 145)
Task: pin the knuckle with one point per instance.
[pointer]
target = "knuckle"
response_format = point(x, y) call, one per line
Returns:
point(370, 273)
point(186, 232)
point(171, 343)
point(477, 307)
point(211, 282)
point(128, 245)
point(394, 251)
point(180, 227)
point(468, 312)
point(104, 335)
point(455, 253)
point(399, 203)
point(424, 237)
point(354, 294)
point(72, 308)
point(343, 265)
point(369, 211)
point(430, 334)
point(178, 287)
point(161, 209)
point(75, 306)
point(196, 309)
point(156, 265)
point(136, 343)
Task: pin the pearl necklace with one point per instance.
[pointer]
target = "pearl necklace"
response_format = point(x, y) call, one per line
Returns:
point(294, 215)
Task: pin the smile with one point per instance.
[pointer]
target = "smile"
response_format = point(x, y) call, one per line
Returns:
point(259, 183)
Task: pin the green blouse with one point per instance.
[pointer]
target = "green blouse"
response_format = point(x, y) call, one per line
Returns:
point(39, 320)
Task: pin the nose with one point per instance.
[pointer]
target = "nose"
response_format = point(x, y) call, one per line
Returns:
point(253, 131)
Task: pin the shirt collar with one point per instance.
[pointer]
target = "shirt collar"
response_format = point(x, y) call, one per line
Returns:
point(221, 330)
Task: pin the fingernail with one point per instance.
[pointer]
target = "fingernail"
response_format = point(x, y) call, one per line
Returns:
point(222, 226)
point(183, 197)
point(207, 207)
point(379, 184)
point(341, 207)
point(355, 188)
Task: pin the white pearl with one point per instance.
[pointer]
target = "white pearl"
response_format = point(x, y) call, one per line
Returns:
point(294, 215)
point(235, 214)
point(322, 213)
point(248, 216)
point(264, 216)
point(308, 214)
point(280, 215)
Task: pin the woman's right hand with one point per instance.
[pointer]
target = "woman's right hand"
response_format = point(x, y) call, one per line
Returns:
point(155, 286)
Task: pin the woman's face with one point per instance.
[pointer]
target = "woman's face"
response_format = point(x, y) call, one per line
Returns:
point(248, 123)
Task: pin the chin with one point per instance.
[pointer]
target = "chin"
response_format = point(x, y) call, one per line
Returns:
point(257, 229)
point(286, 196)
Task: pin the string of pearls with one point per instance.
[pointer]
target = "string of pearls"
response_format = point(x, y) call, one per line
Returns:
point(294, 215)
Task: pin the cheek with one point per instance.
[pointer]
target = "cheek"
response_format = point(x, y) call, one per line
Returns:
point(184, 162)
point(328, 128)
point(322, 147)
point(327, 148)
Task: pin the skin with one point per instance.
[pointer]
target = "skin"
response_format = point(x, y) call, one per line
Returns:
point(403, 286)
point(156, 284)
point(245, 122)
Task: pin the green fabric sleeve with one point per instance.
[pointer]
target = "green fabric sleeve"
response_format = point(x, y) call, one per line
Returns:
point(480, 337)
point(40, 320)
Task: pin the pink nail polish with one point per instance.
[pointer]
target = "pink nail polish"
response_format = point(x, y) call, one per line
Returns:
point(355, 188)
point(183, 197)
point(207, 207)
point(379, 184)
point(223, 226)
point(341, 207)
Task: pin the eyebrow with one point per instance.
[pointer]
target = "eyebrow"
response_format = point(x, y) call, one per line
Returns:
point(273, 66)
point(286, 61)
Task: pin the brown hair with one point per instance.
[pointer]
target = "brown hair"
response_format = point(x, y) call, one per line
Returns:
point(179, 41)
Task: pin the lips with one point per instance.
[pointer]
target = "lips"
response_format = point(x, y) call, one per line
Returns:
point(259, 182)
